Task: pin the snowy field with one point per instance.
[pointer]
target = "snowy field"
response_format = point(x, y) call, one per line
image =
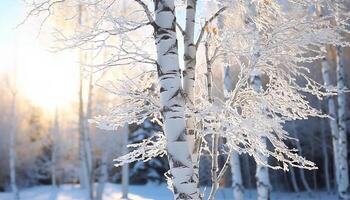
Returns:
point(148, 192)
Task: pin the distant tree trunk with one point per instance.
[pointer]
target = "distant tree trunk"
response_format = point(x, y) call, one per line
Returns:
point(237, 183)
point(87, 141)
point(294, 179)
point(125, 167)
point(325, 152)
point(300, 151)
point(86, 181)
point(54, 150)
point(84, 142)
point(262, 173)
point(215, 137)
point(173, 103)
point(103, 178)
point(313, 149)
point(12, 146)
point(333, 120)
point(247, 171)
point(262, 180)
point(343, 185)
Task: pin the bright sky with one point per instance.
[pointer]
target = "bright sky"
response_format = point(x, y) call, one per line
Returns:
point(48, 79)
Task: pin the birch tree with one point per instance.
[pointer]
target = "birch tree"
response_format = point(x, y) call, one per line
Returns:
point(12, 145)
point(125, 168)
point(237, 183)
point(343, 174)
point(279, 53)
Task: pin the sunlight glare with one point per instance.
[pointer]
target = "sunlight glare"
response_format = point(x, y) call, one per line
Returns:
point(48, 79)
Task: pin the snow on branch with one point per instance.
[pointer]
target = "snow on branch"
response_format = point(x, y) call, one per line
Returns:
point(144, 151)
point(139, 101)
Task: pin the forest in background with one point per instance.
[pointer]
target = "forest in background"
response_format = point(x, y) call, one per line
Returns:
point(66, 145)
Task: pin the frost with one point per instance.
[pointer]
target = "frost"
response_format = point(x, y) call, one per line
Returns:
point(144, 151)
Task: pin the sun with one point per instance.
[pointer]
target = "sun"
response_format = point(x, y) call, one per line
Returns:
point(49, 80)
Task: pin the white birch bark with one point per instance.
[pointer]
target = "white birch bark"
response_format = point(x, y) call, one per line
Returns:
point(262, 180)
point(237, 183)
point(189, 77)
point(343, 175)
point(262, 174)
point(84, 143)
point(215, 137)
point(173, 103)
point(333, 120)
point(12, 150)
point(125, 167)
point(84, 182)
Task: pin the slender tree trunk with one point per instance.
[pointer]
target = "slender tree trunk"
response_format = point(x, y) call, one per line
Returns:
point(12, 150)
point(55, 132)
point(87, 140)
point(215, 136)
point(247, 171)
point(84, 143)
point(237, 183)
point(300, 151)
point(54, 150)
point(103, 175)
point(333, 120)
point(314, 172)
point(125, 167)
point(262, 180)
point(325, 152)
point(189, 76)
point(343, 185)
point(294, 180)
point(173, 103)
point(83, 154)
point(262, 174)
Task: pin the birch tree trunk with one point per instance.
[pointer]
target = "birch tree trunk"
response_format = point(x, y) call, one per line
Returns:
point(103, 176)
point(215, 137)
point(333, 120)
point(262, 174)
point(84, 146)
point(87, 141)
point(173, 103)
point(12, 150)
point(189, 76)
point(125, 167)
point(54, 150)
point(262, 180)
point(237, 183)
point(86, 180)
point(343, 175)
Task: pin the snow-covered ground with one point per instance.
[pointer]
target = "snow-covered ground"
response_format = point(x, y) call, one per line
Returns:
point(147, 192)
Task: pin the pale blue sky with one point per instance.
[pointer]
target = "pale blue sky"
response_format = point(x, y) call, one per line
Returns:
point(10, 15)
